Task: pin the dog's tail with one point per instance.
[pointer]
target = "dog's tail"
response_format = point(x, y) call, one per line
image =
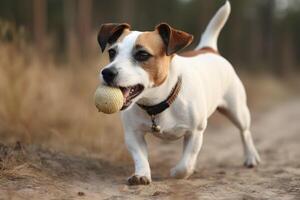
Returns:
point(210, 36)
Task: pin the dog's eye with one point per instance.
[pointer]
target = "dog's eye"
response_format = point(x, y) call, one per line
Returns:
point(142, 56)
point(112, 54)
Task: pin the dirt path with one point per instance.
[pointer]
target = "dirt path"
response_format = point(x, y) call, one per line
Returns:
point(46, 175)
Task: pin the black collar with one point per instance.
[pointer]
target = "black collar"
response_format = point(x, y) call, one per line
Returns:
point(162, 106)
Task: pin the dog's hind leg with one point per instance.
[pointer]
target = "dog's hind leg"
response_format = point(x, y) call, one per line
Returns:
point(236, 109)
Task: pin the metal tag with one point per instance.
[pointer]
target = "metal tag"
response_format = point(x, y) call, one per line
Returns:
point(154, 127)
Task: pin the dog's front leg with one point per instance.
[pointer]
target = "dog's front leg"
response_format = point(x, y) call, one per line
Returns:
point(137, 147)
point(191, 148)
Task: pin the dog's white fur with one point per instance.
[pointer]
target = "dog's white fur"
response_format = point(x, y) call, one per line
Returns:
point(208, 82)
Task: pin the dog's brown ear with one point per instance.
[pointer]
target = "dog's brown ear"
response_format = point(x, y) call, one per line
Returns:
point(110, 32)
point(174, 40)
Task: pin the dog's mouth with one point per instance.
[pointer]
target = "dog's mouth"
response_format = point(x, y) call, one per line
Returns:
point(129, 93)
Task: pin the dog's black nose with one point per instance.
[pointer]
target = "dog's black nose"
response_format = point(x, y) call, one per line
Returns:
point(109, 74)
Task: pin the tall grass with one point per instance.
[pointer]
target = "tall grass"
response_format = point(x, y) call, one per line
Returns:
point(51, 104)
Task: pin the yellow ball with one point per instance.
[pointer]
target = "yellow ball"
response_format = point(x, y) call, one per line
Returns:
point(108, 99)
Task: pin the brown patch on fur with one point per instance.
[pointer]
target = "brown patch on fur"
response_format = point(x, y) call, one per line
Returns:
point(110, 32)
point(104, 59)
point(158, 65)
point(124, 34)
point(174, 39)
point(198, 52)
point(162, 43)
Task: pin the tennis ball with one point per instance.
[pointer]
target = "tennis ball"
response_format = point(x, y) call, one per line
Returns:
point(108, 99)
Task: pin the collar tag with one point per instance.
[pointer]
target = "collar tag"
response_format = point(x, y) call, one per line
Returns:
point(162, 106)
point(154, 127)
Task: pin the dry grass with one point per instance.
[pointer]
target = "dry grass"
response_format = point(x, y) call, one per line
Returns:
point(52, 105)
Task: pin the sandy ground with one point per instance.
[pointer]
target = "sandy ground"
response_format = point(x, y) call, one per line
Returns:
point(27, 172)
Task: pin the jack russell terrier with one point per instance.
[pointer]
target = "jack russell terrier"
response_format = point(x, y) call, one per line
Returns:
point(172, 95)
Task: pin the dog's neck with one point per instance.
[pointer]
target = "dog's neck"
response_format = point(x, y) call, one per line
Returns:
point(155, 95)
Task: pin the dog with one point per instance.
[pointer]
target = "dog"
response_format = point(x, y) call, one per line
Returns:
point(172, 95)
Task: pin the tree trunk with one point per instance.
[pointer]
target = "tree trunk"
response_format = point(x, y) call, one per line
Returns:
point(126, 11)
point(71, 36)
point(39, 24)
point(84, 24)
point(267, 28)
point(287, 58)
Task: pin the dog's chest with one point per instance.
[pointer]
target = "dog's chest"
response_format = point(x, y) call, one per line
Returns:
point(173, 133)
point(166, 128)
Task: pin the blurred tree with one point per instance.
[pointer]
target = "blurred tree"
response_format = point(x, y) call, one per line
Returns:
point(127, 11)
point(287, 58)
point(40, 23)
point(71, 36)
point(267, 16)
point(84, 24)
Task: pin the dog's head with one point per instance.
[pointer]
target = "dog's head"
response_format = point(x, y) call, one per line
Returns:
point(139, 60)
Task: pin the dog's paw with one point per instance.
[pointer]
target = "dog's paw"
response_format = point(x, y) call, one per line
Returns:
point(181, 172)
point(252, 161)
point(138, 180)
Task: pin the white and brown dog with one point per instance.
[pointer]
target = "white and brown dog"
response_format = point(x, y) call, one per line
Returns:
point(172, 95)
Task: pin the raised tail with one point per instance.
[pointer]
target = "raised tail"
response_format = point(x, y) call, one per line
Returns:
point(210, 36)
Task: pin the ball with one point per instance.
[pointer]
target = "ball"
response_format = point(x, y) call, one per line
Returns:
point(108, 99)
